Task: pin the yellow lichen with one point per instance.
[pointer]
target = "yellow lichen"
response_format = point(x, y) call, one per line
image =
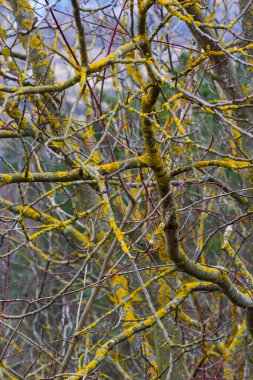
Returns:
point(124, 247)
point(250, 177)
point(110, 168)
point(27, 176)
point(151, 159)
point(16, 113)
point(226, 164)
point(98, 65)
point(12, 65)
point(118, 233)
point(96, 157)
point(228, 107)
point(28, 212)
point(27, 23)
point(6, 53)
point(6, 178)
point(61, 174)
point(35, 42)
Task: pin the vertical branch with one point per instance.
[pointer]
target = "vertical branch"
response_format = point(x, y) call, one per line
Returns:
point(81, 35)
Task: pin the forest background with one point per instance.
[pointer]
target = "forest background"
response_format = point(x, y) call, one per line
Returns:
point(126, 189)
